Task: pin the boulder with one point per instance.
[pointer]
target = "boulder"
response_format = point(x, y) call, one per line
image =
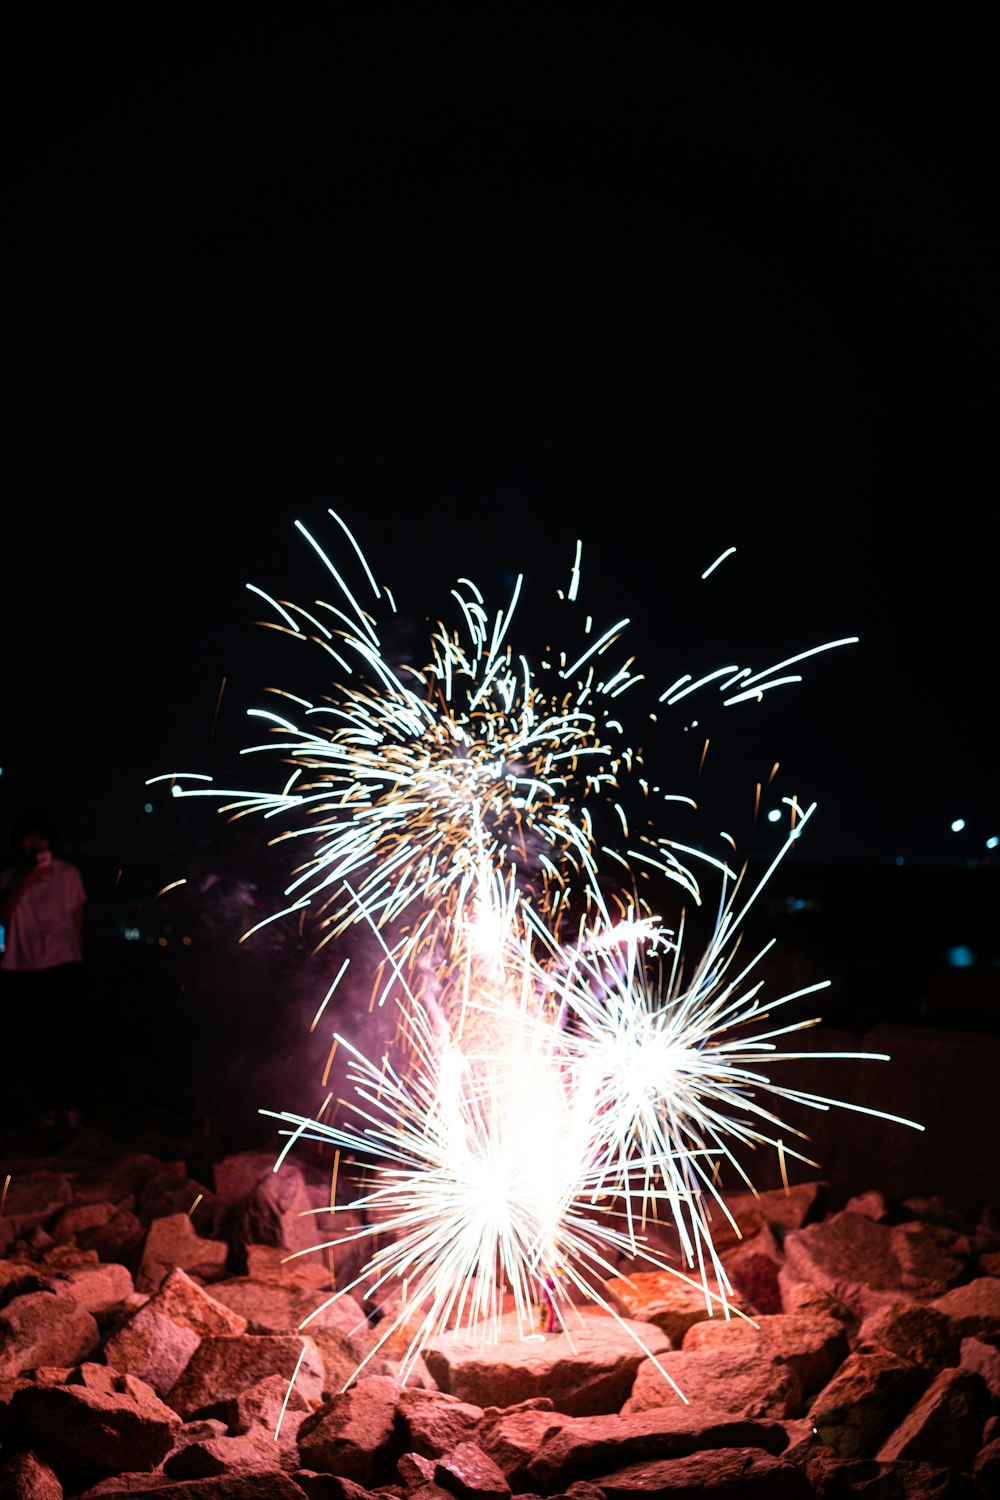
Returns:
point(986, 1471)
point(734, 1472)
point(945, 1425)
point(269, 1408)
point(865, 1400)
point(354, 1433)
point(278, 1211)
point(223, 1366)
point(813, 1347)
point(916, 1332)
point(587, 1370)
point(33, 1199)
point(119, 1239)
point(752, 1268)
point(742, 1381)
point(433, 1423)
point(269, 1485)
point(849, 1256)
point(42, 1329)
point(23, 1476)
point(661, 1298)
point(581, 1447)
point(214, 1456)
point(931, 1257)
point(173, 1242)
point(97, 1289)
point(974, 1309)
point(92, 1431)
point(159, 1339)
point(470, 1474)
point(984, 1359)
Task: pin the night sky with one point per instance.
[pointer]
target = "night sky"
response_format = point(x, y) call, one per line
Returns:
point(487, 290)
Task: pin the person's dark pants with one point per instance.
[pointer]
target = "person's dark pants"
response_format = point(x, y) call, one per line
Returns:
point(41, 1013)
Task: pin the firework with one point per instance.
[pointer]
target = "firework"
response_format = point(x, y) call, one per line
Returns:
point(559, 1071)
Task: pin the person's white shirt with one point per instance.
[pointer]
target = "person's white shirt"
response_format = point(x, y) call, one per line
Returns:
point(42, 932)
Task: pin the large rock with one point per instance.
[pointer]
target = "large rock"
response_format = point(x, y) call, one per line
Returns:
point(270, 1485)
point(172, 1242)
point(119, 1239)
point(748, 1381)
point(470, 1474)
point(23, 1476)
point(660, 1298)
point(986, 1471)
point(170, 1192)
point(33, 1199)
point(974, 1309)
point(914, 1331)
point(588, 1370)
point(269, 1408)
point(433, 1422)
point(42, 1329)
point(159, 1340)
point(280, 1305)
point(865, 1400)
point(247, 1453)
point(931, 1257)
point(814, 1348)
point(945, 1425)
point(753, 1268)
point(222, 1367)
point(983, 1357)
point(278, 1211)
point(849, 1256)
point(91, 1431)
point(513, 1437)
point(354, 1434)
point(734, 1472)
point(581, 1447)
point(97, 1289)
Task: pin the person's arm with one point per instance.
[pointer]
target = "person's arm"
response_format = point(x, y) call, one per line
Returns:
point(10, 899)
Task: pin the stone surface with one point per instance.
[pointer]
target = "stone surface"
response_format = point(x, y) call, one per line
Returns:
point(814, 1348)
point(278, 1211)
point(157, 1343)
point(660, 1298)
point(120, 1239)
point(847, 1255)
point(732, 1472)
point(97, 1289)
point(986, 1471)
point(42, 1329)
point(172, 1242)
point(752, 1268)
point(271, 1485)
point(931, 1257)
point(208, 1457)
point(33, 1199)
point(434, 1422)
point(589, 1370)
point(94, 1432)
point(354, 1433)
point(946, 1423)
point(865, 1400)
point(223, 1366)
point(514, 1437)
point(270, 1408)
point(983, 1357)
point(582, 1447)
point(973, 1308)
point(741, 1381)
point(23, 1476)
point(916, 1332)
point(470, 1473)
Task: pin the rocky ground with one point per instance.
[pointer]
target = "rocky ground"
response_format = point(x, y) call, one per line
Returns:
point(149, 1330)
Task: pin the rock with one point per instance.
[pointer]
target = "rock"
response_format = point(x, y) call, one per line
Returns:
point(414, 1471)
point(945, 1425)
point(273, 1305)
point(984, 1359)
point(740, 1381)
point(271, 1485)
point(120, 1239)
point(42, 1329)
point(470, 1473)
point(236, 1176)
point(331, 1487)
point(79, 1216)
point(97, 1289)
point(223, 1366)
point(173, 1242)
point(278, 1211)
point(931, 1258)
point(170, 1193)
point(849, 1256)
point(354, 1434)
point(814, 1348)
point(434, 1423)
point(159, 1340)
point(936, 1211)
point(117, 1179)
point(974, 1309)
point(271, 1263)
point(269, 1408)
point(752, 1268)
point(25, 1477)
point(246, 1454)
point(865, 1400)
point(986, 1471)
point(916, 1332)
point(18, 1277)
point(803, 1297)
point(33, 1198)
point(587, 1446)
point(514, 1438)
point(729, 1472)
point(587, 1371)
point(872, 1204)
point(197, 1432)
point(658, 1297)
point(91, 1431)
point(842, 1478)
point(989, 1263)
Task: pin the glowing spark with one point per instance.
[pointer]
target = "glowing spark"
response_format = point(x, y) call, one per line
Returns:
point(720, 559)
point(171, 887)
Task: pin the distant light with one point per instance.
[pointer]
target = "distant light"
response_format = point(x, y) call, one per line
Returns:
point(162, 942)
point(900, 860)
point(774, 816)
point(958, 825)
point(131, 934)
point(961, 957)
point(149, 807)
point(993, 842)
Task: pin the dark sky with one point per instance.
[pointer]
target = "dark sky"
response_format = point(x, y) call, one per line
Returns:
point(485, 291)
